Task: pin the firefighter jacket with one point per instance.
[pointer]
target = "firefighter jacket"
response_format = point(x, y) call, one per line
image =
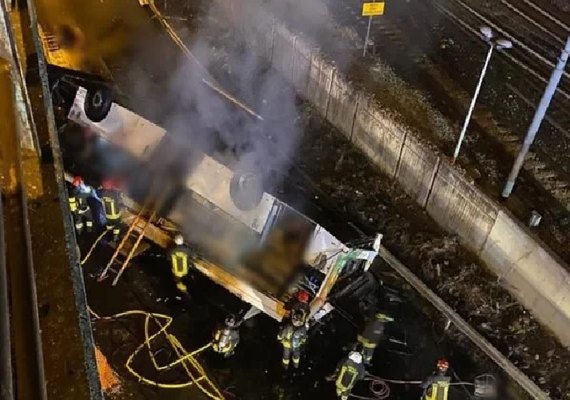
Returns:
point(78, 198)
point(225, 340)
point(179, 261)
point(292, 337)
point(372, 334)
point(436, 387)
point(349, 373)
point(111, 203)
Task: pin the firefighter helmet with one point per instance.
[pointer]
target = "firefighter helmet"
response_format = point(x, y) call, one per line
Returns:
point(355, 357)
point(77, 181)
point(442, 365)
point(231, 321)
point(303, 297)
point(297, 318)
point(179, 240)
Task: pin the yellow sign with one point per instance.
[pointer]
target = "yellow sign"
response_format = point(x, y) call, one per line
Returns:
point(372, 9)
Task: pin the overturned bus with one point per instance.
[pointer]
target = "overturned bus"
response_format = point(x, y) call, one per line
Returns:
point(245, 239)
point(254, 245)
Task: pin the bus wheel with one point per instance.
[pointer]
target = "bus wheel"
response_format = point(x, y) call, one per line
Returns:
point(98, 103)
point(246, 191)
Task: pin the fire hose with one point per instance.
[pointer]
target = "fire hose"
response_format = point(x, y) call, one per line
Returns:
point(380, 388)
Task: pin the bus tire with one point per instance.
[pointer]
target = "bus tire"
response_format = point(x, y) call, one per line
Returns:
point(98, 102)
point(246, 190)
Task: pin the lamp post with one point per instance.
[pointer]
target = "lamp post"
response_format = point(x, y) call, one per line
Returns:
point(537, 119)
point(499, 44)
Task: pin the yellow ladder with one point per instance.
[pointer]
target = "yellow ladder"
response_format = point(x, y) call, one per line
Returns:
point(137, 227)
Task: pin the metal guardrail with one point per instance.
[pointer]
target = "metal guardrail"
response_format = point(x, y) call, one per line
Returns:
point(27, 379)
point(466, 329)
point(25, 365)
point(50, 136)
point(6, 378)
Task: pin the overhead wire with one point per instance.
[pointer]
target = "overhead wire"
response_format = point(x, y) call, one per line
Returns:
point(211, 84)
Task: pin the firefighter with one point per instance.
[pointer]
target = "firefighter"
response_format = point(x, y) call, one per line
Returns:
point(293, 336)
point(436, 386)
point(79, 205)
point(179, 256)
point(301, 304)
point(372, 334)
point(112, 205)
point(226, 339)
point(349, 372)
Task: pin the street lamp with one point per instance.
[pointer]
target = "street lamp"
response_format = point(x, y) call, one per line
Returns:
point(499, 44)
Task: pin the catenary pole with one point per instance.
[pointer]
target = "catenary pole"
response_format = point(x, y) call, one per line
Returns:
point(537, 119)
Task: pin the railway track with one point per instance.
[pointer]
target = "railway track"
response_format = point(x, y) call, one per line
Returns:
point(25, 342)
point(534, 53)
point(391, 39)
point(539, 51)
point(550, 171)
point(530, 60)
point(536, 57)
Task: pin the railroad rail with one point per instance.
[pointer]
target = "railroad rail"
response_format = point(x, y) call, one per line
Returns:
point(526, 54)
point(395, 35)
point(533, 53)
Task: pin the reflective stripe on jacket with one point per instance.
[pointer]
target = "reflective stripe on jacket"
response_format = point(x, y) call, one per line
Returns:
point(111, 205)
point(438, 390)
point(223, 341)
point(347, 377)
point(373, 332)
point(285, 336)
point(179, 263)
point(73, 204)
point(79, 197)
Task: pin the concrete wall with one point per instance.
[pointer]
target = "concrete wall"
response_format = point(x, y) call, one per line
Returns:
point(525, 266)
point(373, 133)
point(533, 274)
point(343, 102)
point(417, 168)
point(460, 208)
point(318, 88)
point(302, 60)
